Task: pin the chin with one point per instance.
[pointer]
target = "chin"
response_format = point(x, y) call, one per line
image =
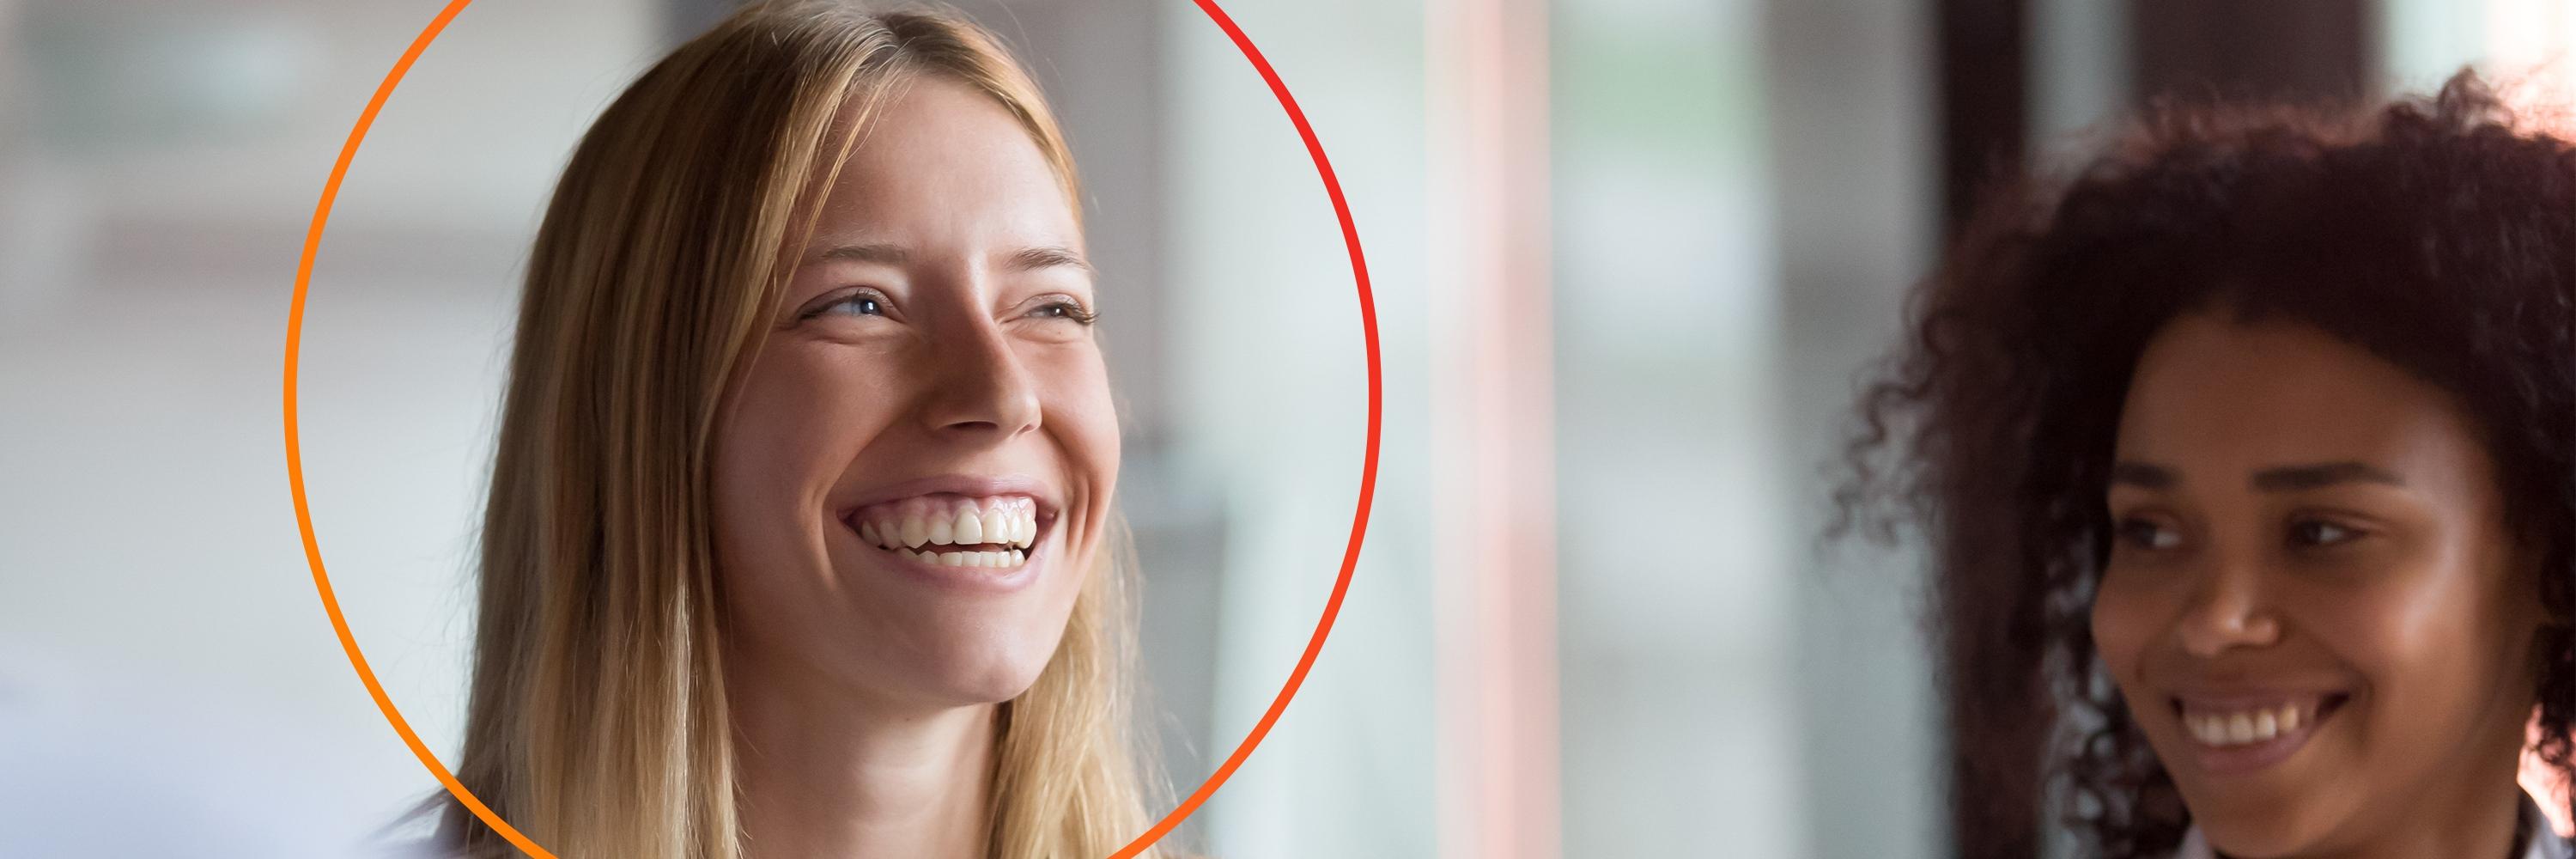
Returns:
point(2265, 833)
point(999, 684)
point(986, 673)
point(2255, 845)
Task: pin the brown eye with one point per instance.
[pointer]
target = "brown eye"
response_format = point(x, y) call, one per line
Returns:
point(2147, 535)
point(2318, 532)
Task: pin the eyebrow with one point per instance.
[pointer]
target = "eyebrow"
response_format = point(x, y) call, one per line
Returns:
point(2143, 476)
point(2287, 478)
point(877, 253)
point(1049, 256)
point(2292, 478)
point(1028, 259)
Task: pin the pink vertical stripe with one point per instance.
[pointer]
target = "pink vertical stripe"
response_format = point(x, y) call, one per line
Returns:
point(1494, 482)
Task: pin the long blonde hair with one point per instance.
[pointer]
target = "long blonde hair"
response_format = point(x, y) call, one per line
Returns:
point(598, 724)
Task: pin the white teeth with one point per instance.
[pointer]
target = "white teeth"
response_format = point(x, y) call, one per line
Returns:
point(995, 526)
point(1010, 522)
point(986, 560)
point(2246, 727)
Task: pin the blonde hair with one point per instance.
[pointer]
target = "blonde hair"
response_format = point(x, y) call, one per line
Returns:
point(598, 723)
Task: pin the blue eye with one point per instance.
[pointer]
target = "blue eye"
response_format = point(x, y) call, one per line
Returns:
point(1066, 309)
point(855, 304)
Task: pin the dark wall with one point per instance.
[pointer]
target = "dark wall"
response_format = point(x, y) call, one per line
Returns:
point(2194, 49)
point(2274, 49)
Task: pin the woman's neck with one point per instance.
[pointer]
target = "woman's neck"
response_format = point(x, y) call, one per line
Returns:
point(824, 774)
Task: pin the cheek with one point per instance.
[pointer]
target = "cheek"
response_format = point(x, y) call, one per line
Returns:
point(796, 422)
point(2381, 631)
point(1082, 412)
point(2411, 635)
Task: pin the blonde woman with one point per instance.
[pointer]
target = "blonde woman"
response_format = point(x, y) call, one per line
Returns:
point(797, 542)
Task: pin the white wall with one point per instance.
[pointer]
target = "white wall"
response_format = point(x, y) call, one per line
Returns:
point(155, 590)
point(1743, 195)
point(1268, 394)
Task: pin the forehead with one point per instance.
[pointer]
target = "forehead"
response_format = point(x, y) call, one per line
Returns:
point(942, 163)
point(2223, 394)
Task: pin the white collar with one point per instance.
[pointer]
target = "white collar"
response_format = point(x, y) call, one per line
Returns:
point(2545, 843)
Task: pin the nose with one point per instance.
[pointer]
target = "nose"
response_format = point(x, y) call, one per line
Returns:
point(978, 386)
point(2228, 611)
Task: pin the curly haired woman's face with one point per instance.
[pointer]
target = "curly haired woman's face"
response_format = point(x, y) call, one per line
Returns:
point(916, 471)
point(2312, 605)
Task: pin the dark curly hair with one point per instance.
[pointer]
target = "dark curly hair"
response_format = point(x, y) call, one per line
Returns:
point(2438, 234)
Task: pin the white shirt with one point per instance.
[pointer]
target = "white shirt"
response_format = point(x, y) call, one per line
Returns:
point(2545, 843)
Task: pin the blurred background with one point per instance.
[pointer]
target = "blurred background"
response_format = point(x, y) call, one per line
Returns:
point(1628, 256)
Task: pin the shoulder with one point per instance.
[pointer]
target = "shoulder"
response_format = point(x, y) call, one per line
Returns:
point(2194, 846)
point(2546, 843)
point(411, 849)
point(417, 834)
point(436, 850)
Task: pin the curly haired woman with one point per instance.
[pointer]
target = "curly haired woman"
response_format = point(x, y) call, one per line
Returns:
point(2247, 460)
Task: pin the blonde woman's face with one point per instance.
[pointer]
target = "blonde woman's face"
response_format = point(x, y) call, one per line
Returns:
point(916, 471)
